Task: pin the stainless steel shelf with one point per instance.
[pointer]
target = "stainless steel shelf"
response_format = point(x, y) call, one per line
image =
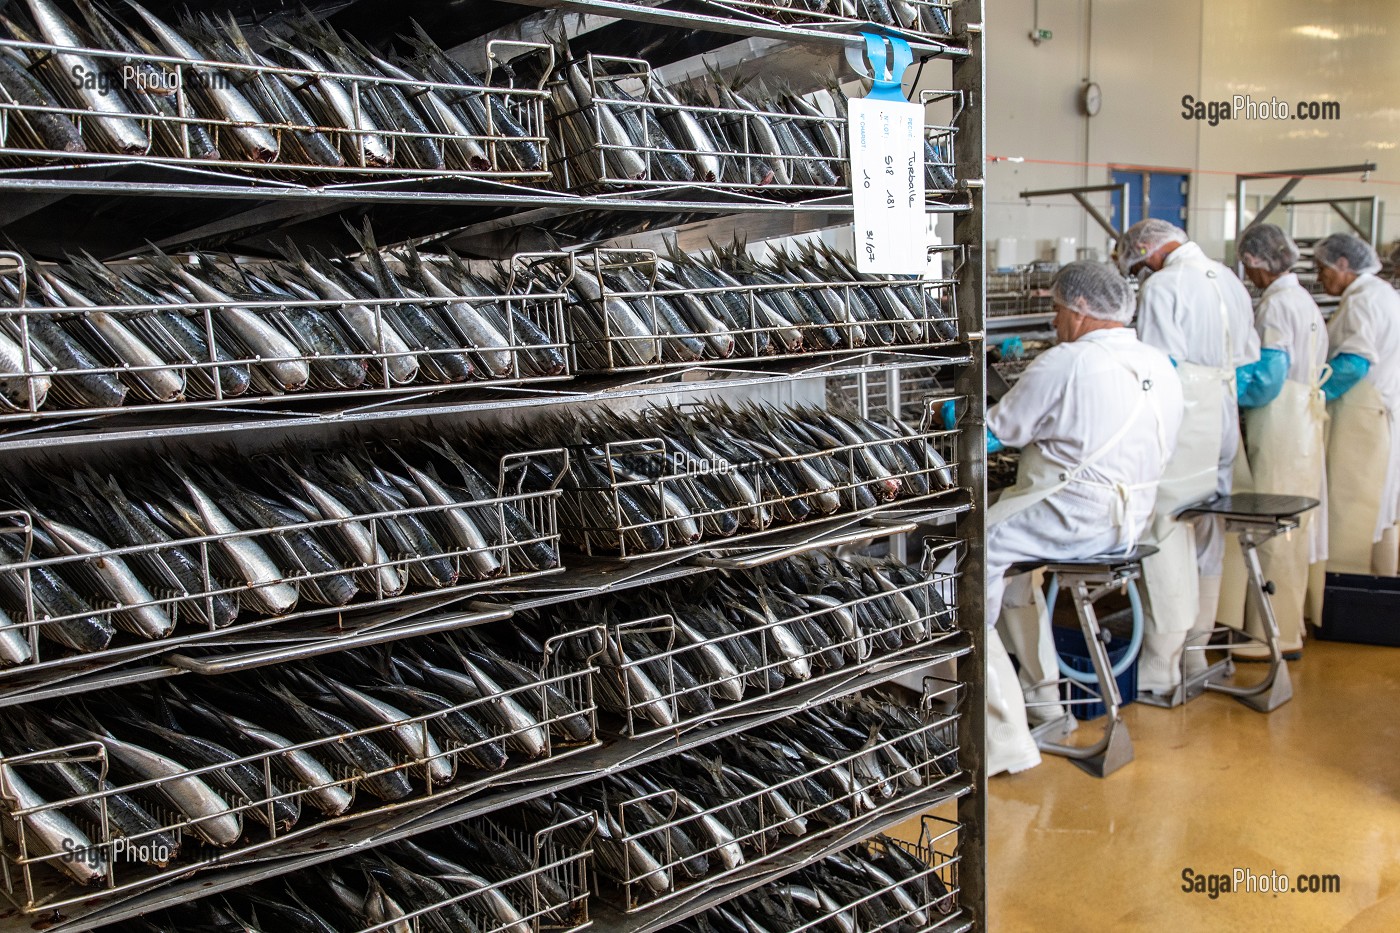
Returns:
point(377, 828)
point(728, 20)
point(134, 425)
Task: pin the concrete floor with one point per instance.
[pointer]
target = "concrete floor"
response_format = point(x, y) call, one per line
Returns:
point(1313, 787)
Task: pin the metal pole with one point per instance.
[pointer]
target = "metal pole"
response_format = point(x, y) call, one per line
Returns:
point(969, 77)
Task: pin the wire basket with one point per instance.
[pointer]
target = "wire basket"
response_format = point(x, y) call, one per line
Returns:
point(89, 856)
point(72, 358)
point(631, 311)
point(930, 758)
point(49, 629)
point(617, 127)
point(456, 130)
point(652, 504)
point(647, 691)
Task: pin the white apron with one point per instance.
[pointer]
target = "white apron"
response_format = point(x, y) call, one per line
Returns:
point(1358, 458)
point(1285, 442)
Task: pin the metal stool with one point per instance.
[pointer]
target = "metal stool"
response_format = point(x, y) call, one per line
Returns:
point(1089, 580)
point(1256, 518)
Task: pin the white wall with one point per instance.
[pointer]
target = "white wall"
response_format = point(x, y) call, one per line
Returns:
point(1146, 54)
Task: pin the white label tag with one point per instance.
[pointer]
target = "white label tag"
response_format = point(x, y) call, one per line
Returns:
point(887, 179)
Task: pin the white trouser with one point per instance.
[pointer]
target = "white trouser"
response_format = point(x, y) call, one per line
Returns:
point(1025, 630)
point(1010, 746)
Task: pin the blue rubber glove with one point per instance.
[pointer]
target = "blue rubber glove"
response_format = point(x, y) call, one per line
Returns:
point(949, 413)
point(1347, 370)
point(993, 442)
point(1259, 383)
point(1173, 359)
point(1012, 348)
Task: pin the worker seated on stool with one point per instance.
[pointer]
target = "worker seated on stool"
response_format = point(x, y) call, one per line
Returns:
point(1096, 419)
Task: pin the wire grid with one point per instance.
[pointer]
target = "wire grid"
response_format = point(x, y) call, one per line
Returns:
point(513, 143)
point(600, 155)
point(661, 876)
point(646, 702)
point(608, 518)
point(205, 614)
point(535, 349)
point(925, 19)
point(558, 854)
point(204, 841)
point(920, 313)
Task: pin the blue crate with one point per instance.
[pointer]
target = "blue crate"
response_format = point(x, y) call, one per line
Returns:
point(1069, 642)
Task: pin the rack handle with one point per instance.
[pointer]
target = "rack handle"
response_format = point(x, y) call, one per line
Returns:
point(858, 536)
point(230, 664)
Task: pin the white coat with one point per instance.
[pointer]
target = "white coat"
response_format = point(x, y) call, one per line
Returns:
point(1287, 318)
point(1367, 324)
point(1070, 403)
point(1179, 314)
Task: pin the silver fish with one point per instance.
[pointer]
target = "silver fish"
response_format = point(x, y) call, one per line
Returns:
point(488, 342)
point(268, 591)
point(134, 609)
point(372, 149)
point(413, 738)
point(208, 814)
point(49, 832)
point(373, 331)
point(258, 143)
point(21, 386)
point(387, 579)
point(115, 121)
point(278, 356)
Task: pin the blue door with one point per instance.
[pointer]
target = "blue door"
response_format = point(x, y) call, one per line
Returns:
point(1134, 182)
point(1167, 193)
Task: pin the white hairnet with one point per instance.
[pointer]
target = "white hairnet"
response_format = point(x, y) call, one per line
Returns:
point(1265, 246)
point(1360, 256)
point(1094, 289)
point(1144, 238)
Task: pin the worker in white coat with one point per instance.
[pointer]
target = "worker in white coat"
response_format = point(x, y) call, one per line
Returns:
point(1194, 310)
point(1285, 417)
point(1095, 418)
point(1363, 394)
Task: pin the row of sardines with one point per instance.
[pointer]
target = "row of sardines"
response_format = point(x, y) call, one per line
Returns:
point(616, 124)
point(98, 560)
point(883, 884)
point(306, 99)
point(673, 477)
point(481, 878)
point(83, 335)
point(95, 560)
point(164, 782)
point(674, 657)
point(204, 91)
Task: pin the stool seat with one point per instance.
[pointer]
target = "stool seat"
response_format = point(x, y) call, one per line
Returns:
point(1252, 506)
point(1107, 563)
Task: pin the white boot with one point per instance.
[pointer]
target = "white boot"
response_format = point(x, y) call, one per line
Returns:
point(1010, 747)
point(1159, 663)
point(1195, 661)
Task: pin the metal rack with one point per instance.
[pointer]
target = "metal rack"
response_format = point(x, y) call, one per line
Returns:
point(940, 332)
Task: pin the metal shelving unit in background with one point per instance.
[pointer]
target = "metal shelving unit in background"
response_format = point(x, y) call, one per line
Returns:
point(589, 726)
